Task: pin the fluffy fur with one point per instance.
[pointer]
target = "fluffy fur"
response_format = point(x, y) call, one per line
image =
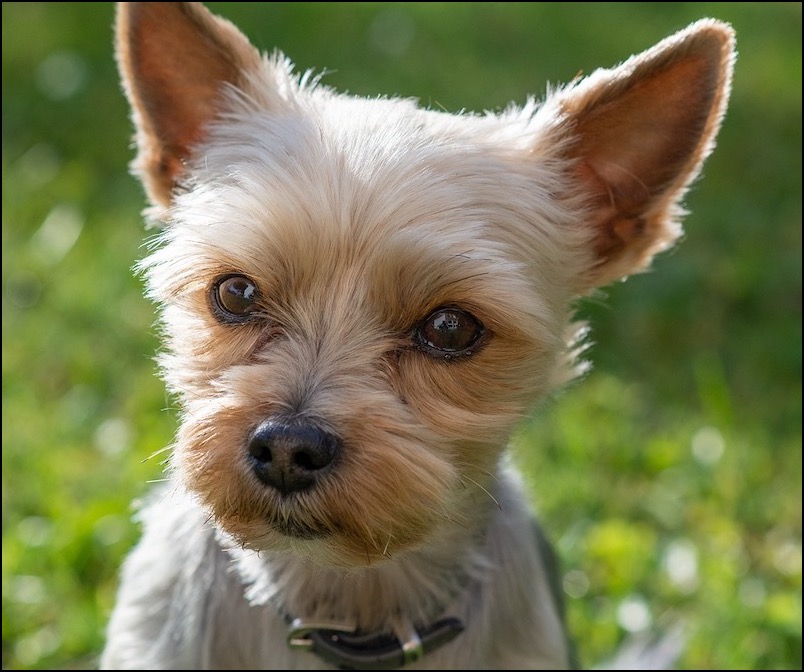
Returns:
point(356, 219)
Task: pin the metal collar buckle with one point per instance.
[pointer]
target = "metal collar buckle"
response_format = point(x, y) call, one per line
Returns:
point(342, 645)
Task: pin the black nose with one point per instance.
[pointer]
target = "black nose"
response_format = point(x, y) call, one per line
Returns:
point(291, 456)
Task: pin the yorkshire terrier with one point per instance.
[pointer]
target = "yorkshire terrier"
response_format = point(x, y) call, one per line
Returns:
point(360, 300)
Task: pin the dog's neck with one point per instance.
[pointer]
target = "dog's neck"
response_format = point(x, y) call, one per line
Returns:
point(465, 575)
point(418, 585)
point(380, 617)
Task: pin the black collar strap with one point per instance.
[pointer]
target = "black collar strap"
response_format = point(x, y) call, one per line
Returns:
point(345, 647)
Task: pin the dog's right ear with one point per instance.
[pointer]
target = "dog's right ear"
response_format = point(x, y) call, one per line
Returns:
point(175, 60)
point(638, 135)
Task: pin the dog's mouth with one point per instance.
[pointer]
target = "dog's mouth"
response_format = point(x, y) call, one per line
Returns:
point(294, 517)
point(298, 529)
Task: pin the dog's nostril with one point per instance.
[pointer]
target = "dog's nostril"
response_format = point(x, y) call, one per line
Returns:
point(260, 451)
point(291, 456)
point(304, 461)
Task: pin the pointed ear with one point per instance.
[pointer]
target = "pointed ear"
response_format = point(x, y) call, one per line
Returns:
point(639, 135)
point(175, 59)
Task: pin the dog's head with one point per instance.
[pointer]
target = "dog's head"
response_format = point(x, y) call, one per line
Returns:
point(360, 297)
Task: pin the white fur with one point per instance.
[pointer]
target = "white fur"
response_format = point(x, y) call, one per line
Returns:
point(186, 602)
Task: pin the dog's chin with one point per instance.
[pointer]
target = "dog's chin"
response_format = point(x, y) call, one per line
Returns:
point(301, 530)
point(320, 545)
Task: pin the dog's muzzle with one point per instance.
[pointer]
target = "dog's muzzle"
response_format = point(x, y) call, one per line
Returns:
point(291, 456)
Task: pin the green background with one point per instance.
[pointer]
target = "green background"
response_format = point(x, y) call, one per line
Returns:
point(670, 478)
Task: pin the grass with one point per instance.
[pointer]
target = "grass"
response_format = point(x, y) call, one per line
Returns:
point(670, 478)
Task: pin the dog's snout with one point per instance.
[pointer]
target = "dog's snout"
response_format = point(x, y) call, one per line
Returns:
point(291, 456)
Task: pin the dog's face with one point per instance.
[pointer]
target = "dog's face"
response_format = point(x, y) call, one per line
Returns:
point(359, 284)
point(361, 297)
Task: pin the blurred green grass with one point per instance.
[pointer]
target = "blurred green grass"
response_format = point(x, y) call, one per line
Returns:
point(670, 477)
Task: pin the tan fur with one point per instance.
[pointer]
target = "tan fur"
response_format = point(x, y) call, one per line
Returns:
point(643, 133)
point(171, 101)
point(356, 219)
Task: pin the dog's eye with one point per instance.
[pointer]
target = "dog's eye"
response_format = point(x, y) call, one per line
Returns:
point(449, 332)
point(234, 298)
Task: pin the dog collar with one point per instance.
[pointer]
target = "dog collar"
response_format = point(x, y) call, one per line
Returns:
point(344, 646)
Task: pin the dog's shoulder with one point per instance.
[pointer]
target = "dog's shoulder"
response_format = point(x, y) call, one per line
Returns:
point(170, 574)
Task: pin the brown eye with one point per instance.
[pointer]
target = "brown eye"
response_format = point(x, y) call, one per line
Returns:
point(449, 332)
point(234, 298)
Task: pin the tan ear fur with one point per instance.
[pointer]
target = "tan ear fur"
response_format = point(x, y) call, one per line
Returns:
point(640, 135)
point(175, 59)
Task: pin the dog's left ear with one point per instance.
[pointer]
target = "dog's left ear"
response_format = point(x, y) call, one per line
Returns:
point(638, 135)
point(175, 59)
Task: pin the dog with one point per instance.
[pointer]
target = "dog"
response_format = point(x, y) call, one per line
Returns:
point(360, 299)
